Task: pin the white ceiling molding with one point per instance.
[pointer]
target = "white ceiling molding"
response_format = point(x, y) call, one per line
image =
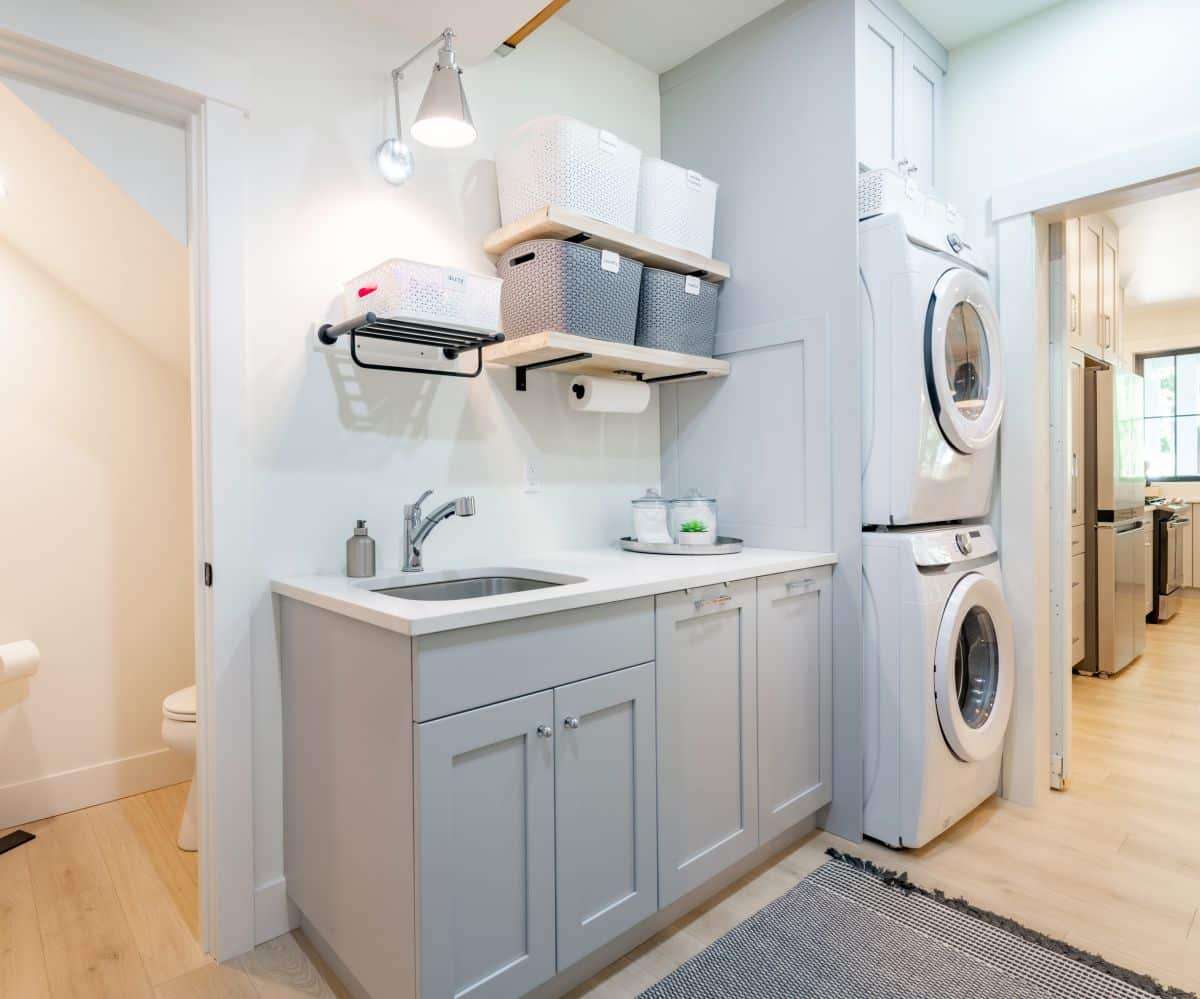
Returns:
point(955, 23)
point(71, 220)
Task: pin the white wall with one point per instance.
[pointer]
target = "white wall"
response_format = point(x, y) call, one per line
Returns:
point(1081, 80)
point(329, 449)
point(96, 536)
point(1147, 329)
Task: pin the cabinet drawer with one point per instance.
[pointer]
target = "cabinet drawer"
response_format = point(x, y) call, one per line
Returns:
point(1078, 539)
point(468, 668)
point(1078, 574)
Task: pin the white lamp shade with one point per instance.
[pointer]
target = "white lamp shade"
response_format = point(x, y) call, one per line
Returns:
point(444, 119)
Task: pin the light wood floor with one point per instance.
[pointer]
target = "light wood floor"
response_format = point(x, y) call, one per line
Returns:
point(1112, 865)
point(104, 905)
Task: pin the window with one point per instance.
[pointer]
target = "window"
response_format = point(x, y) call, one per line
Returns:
point(1172, 410)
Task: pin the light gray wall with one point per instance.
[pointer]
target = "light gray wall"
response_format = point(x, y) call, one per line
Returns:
point(769, 113)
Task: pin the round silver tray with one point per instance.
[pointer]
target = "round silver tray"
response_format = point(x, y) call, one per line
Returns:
point(724, 546)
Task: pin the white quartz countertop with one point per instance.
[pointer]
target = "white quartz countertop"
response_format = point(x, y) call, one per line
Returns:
point(603, 576)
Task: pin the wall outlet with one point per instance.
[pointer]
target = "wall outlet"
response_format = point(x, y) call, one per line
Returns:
point(533, 483)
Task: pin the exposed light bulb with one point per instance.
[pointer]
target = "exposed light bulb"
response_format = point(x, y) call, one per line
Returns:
point(444, 133)
point(395, 161)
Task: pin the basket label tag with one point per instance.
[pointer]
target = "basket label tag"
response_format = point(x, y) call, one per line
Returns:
point(691, 284)
point(610, 261)
point(694, 180)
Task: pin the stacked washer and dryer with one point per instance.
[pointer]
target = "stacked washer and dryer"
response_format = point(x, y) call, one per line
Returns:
point(938, 682)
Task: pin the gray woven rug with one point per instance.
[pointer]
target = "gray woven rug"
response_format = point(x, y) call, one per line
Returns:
point(852, 931)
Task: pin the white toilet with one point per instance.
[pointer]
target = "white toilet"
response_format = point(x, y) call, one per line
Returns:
point(179, 732)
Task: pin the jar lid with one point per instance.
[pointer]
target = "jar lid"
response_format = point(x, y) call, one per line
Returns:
point(652, 497)
point(693, 496)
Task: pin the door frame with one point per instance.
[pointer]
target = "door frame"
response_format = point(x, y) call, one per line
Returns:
point(109, 60)
point(1038, 584)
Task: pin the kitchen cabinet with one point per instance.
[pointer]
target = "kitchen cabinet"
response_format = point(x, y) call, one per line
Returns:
point(899, 100)
point(1085, 294)
point(1078, 439)
point(1078, 608)
point(707, 733)
point(1149, 529)
point(794, 688)
point(1064, 270)
point(1091, 258)
point(606, 833)
point(1186, 545)
point(1109, 292)
point(485, 843)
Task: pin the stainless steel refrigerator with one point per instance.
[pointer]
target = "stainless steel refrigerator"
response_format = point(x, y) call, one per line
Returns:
point(1117, 523)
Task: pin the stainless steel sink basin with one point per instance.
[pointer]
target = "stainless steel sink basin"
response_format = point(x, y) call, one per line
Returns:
point(466, 589)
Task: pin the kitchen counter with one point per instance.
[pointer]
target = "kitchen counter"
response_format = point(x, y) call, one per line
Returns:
point(608, 575)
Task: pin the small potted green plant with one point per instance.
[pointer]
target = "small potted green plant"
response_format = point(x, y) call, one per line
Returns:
point(695, 532)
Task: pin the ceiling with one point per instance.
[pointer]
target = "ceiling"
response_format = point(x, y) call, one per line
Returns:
point(66, 216)
point(662, 33)
point(955, 22)
point(1160, 254)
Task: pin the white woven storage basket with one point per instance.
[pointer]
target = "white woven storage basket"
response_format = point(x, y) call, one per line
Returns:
point(885, 191)
point(427, 292)
point(676, 206)
point(562, 162)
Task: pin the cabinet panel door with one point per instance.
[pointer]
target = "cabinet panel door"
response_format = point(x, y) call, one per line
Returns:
point(1108, 301)
point(707, 743)
point(795, 707)
point(1150, 564)
point(1091, 253)
point(1078, 608)
point(486, 850)
point(921, 104)
point(1070, 266)
point(1078, 439)
point(606, 838)
point(878, 67)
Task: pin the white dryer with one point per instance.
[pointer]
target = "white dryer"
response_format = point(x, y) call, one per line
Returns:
point(938, 679)
point(933, 390)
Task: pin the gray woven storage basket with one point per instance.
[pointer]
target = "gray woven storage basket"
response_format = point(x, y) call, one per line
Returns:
point(672, 318)
point(550, 284)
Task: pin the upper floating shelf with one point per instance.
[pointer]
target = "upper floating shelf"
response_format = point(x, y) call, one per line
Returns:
point(559, 223)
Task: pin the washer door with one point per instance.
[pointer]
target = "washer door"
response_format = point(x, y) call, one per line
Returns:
point(962, 360)
point(973, 669)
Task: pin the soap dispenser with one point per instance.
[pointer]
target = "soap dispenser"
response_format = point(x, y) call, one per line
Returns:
point(360, 553)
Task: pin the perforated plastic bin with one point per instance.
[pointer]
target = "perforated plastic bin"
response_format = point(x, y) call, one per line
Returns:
point(677, 206)
point(677, 312)
point(425, 292)
point(559, 161)
point(568, 288)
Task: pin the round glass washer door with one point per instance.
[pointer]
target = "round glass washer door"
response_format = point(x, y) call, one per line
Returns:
point(973, 669)
point(963, 366)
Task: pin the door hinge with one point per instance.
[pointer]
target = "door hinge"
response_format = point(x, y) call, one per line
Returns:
point(208, 574)
point(1058, 780)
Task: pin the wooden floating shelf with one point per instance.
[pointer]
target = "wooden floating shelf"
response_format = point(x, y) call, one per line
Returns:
point(583, 355)
point(559, 223)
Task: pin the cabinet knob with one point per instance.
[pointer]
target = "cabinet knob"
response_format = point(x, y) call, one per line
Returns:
point(545, 731)
point(571, 722)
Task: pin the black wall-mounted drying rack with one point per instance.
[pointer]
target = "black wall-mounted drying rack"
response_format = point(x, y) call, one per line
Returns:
point(452, 340)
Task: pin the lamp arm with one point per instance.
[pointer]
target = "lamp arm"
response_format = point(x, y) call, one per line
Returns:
point(398, 73)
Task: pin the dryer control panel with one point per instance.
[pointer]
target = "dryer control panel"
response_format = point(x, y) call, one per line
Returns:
point(953, 544)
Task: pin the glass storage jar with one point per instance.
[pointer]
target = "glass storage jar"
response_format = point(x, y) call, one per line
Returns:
point(694, 519)
point(650, 519)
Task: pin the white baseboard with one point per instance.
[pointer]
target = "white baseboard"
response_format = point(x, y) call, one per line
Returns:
point(73, 789)
point(274, 915)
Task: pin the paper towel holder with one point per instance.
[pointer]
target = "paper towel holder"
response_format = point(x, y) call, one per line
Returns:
point(522, 383)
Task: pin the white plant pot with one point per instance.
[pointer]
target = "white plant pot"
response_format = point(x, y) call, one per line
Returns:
point(695, 538)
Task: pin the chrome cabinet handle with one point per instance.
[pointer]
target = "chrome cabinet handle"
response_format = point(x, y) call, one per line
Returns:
point(724, 598)
point(545, 731)
point(571, 722)
point(799, 585)
point(1074, 312)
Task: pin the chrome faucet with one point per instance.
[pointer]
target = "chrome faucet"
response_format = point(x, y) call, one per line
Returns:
point(416, 529)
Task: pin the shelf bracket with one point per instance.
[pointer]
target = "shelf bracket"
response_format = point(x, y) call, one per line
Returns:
point(673, 378)
point(522, 368)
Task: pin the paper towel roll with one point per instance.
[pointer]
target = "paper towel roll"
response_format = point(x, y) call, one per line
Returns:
point(18, 659)
point(608, 395)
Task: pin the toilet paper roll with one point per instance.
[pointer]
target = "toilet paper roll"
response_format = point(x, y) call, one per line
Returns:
point(608, 395)
point(17, 660)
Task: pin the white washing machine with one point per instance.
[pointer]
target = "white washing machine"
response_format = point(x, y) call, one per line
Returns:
point(933, 390)
point(938, 678)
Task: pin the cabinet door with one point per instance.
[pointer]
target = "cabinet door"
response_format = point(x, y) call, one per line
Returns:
point(1069, 264)
point(1078, 439)
point(1091, 255)
point(707, 743)
point(921, 111)
point(1150, 561)
point(1078, 608)
point(606, 840)
point(878, 62)
point(795, 706)
point(486, 849)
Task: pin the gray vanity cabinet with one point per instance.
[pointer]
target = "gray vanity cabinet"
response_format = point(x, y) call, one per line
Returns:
point(605, 825)
point(707, 738)
point(795, 674)
point(485, 848)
